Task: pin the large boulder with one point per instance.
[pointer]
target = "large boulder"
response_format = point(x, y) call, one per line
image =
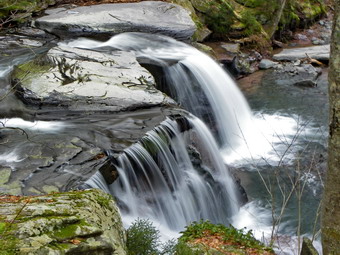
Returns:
point(87, 80)
point(110, 19)
point(78, 222)
point(316, 52)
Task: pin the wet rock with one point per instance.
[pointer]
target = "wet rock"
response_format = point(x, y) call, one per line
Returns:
point(44, 163)
point(241, 65)
point(147, 16)
point(316, 52)
point(23, 39)
point(63, 155)
point(304, 75)
point(306, 83)
point(308, 248)
point(87, 80)
point(266, 64)
point(33, 32)
point(79, 222)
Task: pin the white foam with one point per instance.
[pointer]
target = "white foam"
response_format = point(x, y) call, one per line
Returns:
point(272, 138)
point(10, 157)
point(44, 126)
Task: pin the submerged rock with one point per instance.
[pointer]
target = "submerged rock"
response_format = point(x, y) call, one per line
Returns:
point(304, 75)
point(147, 16)
point(87, 80)
point(78, 222)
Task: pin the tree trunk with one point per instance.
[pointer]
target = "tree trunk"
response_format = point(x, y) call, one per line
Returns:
point(276, 18)
point(331, 200)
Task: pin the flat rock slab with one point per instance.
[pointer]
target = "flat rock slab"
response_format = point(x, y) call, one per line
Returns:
point(87, 80)
point(54, 156)
point(110, 19)
point(317, 52)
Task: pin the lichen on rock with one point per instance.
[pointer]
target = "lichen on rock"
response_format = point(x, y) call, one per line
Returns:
point(77, 222)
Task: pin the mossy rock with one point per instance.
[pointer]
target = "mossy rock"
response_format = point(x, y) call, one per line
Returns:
point(77, 222)
point(202, 32)
point(234, 19)
point(20, 10)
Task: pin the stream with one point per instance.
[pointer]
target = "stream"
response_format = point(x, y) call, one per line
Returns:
point(277, 142)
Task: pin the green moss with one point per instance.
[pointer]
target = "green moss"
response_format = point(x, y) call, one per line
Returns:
point(4, 175)
point(68, 231)
point(299, 12)
point(50, 189)
point(252, 3)
point(31, 69)
point(220, 17)
point(8, 244)
point(103, 201)
point(20, 10)
point(251, 25)
point(2, 227)
point(59, 246)
point(8, 241)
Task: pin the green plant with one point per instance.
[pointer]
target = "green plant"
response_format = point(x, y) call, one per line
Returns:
point(252, 26)
point(182, 248)
point(234, 236)
point(142, 238)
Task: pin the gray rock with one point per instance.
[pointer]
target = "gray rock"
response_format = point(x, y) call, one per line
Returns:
point(32, 38)
point(266, 64)
point(79, 222)
point(317, 41)
point(87, 80)
point(41, 157)
point(316, 52)
point(109, 19)
point(231, 47)
point(306, 83)
point(289, 74)
point(301, 37)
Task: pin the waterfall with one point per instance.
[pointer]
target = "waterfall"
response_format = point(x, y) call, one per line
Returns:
point(187, 71)
point(175, 177)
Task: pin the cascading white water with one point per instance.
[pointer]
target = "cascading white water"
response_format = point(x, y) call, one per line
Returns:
point(157, 177)
point(184, 66)
point(159, 181)
point(202, 87)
